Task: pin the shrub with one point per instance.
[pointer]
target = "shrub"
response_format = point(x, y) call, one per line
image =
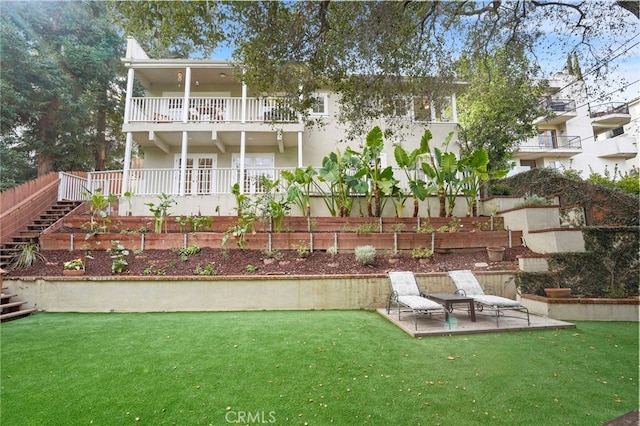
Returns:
point(365, 255)
point(499, 189)
point(421, 252)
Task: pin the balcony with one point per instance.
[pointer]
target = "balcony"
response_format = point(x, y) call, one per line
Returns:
point(210, 110)
point(161, 121)
point(547, 145)
point(563, 110)
point(609, 116)
point(618, 147)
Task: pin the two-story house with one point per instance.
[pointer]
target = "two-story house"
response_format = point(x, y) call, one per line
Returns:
point(581, 135)
point(202, 130)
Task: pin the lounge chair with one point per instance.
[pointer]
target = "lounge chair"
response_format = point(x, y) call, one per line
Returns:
point(468, 286)
point(405, 292)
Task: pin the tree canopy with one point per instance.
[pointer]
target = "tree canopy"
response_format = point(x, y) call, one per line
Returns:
point(373, 52)
point(61, 105)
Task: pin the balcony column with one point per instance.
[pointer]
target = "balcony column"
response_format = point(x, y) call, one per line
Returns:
point(127, 102)
point(243, 135)
point(454, 108)
point(187, 94)
point(300, 149)
point(126, 169)
point(183, 164)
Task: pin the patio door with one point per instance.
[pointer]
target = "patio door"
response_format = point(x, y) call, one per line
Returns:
point(200, 178)
point(255, 166)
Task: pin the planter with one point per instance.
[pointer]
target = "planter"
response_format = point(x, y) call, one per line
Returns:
point(557, 292)
point(496, 254)
point(72, 272)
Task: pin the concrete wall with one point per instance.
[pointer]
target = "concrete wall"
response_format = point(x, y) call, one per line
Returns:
point(166, 294)
point(583, 309)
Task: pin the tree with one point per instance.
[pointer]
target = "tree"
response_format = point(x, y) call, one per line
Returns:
point(66, 106)
point(373, 52)
point(499, 105)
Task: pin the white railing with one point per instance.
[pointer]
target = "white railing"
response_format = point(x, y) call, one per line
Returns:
point(211, 109)
point(71, 187)
point(145, 182)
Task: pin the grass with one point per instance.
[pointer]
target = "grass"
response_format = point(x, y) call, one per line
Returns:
point(316, 368)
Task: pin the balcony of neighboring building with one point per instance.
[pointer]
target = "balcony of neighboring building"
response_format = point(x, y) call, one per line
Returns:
point(609, 116)
point(616, 144)
point(561, 111)
point(548, 143)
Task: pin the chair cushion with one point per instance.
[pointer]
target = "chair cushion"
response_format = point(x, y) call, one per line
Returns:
point(501, 302)
point(404, 283)
point(465, 280)
point(419, 303)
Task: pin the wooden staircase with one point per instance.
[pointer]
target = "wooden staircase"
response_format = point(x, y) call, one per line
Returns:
point(12, 310)
point(31, 233)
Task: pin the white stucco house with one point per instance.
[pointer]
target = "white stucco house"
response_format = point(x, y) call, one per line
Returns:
point(202, 130)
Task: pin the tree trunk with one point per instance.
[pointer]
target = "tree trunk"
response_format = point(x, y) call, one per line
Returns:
point(47, 135)
point(101, 141)
point(441, 198)
point(416, 206)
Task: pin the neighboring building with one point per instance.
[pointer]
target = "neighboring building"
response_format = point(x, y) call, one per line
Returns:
point(581, 136)
point(202, 131)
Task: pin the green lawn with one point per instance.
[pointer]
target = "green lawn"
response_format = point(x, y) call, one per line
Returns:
point(315, 367)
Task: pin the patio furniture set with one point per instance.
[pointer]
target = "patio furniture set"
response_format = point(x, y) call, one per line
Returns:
point(406, 294)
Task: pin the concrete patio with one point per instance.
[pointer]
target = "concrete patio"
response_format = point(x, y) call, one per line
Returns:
point(459, 323)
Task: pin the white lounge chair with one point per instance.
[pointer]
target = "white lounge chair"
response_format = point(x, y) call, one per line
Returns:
point(405, 292)
point(468, 286)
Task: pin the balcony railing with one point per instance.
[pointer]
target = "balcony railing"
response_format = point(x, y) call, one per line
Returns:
point(550, 142)
point(215, 181)
point(609, 108)
point(210, 109)
point(558, 105)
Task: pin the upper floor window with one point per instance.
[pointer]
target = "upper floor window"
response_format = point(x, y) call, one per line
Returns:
point(320, 104)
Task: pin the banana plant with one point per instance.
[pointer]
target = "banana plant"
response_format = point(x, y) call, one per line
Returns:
point(379, 181)
point(299, 184)
point(474, 169)
point(338, 172)
point(440, 168)
point(409, 162)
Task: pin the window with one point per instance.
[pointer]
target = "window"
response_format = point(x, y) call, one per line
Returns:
point(320, 104)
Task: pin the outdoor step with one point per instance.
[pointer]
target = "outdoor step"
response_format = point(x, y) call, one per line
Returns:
point(17, 314)
point(5, 298)
point(28, 233)
point(10, 307)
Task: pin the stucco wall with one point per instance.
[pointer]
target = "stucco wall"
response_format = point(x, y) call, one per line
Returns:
point(144, 294)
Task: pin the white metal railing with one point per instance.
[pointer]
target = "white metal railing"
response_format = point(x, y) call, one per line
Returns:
point(211, 109)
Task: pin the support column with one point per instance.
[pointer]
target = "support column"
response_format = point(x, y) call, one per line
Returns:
point(454, 108)
point(187, 95)
point(300, 149)
point(243, 135)
point(183, 164)
point(127, 102)
point(126, 172)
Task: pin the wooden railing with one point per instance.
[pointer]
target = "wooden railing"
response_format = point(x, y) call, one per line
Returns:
point(25, 203)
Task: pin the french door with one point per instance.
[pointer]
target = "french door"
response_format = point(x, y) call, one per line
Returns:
point(255, 167)
point(200, 177)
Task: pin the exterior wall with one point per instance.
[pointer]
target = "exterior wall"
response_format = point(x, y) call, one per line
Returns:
point(142, 294)
point(632, 130)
